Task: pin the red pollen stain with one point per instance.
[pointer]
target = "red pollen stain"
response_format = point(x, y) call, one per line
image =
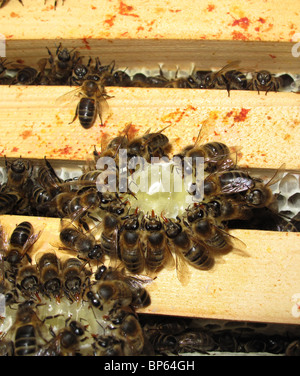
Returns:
point(175, 10)
point(14, 149)
point(93, 7)
point(66, 150)
point(20, 61)
point(87, 46)
point(273, 56)
point(237, 35)
point(242, 115)
point(211, 7)
point(257, 28)
point(26, 134)
point(242, 22)
point(14, 15)
point(228, 114)
point(110, 21)
point(216, 133)
point(262, 20)
point(125, 10)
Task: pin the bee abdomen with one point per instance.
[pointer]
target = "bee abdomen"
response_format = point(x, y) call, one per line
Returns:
point(25, 341)
point(21, 234)
point(87, 112)
point(200, 257)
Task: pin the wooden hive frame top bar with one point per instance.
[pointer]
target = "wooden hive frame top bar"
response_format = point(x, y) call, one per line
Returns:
point(139, 19)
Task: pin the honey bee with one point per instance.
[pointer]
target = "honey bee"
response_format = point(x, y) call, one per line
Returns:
point(202, 78)
point(110, 293)
point(140, 296)
point(156, 251)
point(48, 179)
point(84, 243)
point(181, 82)
point(111, 226)
point(121, 78)
point(108, 345)
point(163, 343)
point(127, 327)
point(206, 229)
point(214, 79)
point(149, 145)
point(27, 281)
point(260, 194)
point(131, 252)
point(74, 276)
point(226, 208)
point(61, 65)
point(66, 342)
point(58, 206)
point(227, 182)
point(216, 157)
point(93, 102)
point(38, 197)
point(264, 80)
point(20, 242)
point(236, 80)
point(293, 349)
point(195, 341)
point(27, 330)
point(3, 2)
point(9, 201)
point(157, 81)
point(49, 268)
point(83, 202)
point(27, 75)
point(186, 245)
point(18, 172)
point(80, 72)
point(139, 80)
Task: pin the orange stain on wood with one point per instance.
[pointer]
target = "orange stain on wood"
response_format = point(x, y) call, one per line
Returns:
point(125, 10)
point(242, 115)
point(110, 21)
point(237, 35)
point(211, 7)
point(26, 134)
point(242, 22)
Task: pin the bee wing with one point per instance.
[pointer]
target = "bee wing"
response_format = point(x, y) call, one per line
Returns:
point(169, 262)
point(68, 97)
point(236, 243)
point(277, 176)
point(182, 270)
point(103, 109)
point(30, 242)
point(227, 67)
point(114, 257)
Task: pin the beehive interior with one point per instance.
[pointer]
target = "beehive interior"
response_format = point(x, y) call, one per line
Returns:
point(33, 111)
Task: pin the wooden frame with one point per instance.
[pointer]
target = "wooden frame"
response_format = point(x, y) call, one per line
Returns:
point(261, 283)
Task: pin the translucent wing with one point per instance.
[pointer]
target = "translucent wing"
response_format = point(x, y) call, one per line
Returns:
point(69, 97)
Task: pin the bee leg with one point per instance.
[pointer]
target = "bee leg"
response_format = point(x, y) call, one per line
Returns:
point(99, 113)
point(20, 1)
point(255, 84)
point(76, 114)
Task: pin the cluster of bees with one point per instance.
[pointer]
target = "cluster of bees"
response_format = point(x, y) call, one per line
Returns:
point(68, 67)
point(97, 308)
point(60, 307)
point(98, 223)
point(180, 335)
